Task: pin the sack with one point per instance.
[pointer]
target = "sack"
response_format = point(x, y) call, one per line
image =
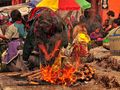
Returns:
point(115, 45)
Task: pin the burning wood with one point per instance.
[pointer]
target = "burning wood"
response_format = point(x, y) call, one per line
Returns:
point(61, 73)
point(66, 76)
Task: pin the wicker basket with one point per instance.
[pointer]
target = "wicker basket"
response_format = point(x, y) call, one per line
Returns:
point(115, 45)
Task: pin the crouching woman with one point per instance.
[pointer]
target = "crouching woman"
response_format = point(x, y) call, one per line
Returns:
point(15, 33)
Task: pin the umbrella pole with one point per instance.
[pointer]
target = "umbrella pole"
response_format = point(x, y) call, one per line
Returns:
point(68, 14)
point(77, 16)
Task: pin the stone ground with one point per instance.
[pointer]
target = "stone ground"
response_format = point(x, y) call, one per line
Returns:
point(9, 82)
point(107, 76)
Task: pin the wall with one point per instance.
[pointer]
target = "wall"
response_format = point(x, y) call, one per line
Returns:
point(113, 5)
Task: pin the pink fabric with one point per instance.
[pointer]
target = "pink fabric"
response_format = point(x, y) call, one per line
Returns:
point(14, 2)
point(100, 39)
point(1, 17)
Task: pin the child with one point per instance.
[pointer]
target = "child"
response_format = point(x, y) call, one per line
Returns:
point(80, 43)
point(96, 34)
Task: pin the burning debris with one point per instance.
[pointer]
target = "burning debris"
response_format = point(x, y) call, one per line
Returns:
point(66, 76)
point(66, 70)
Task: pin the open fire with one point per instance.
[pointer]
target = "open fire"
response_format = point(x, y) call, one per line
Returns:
point(62, 72)
point(66, 76)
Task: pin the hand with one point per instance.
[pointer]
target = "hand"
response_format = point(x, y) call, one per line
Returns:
point(48, 57)
point(2, 36)
point(53, 53)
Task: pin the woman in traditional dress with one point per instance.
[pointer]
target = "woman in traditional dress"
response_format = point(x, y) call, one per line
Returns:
point(15, 33)
point(46, 35)
point(80, 43)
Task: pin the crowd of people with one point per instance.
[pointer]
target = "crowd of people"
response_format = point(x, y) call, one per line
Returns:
point(109, 28)
point(44, 33)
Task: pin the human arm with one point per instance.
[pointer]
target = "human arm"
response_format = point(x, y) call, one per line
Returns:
point(108, 28)
point(48, 56)
point(2, 37)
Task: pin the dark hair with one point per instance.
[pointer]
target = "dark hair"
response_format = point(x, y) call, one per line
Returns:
point(82, 19)
point(117, 21)
point(16, 15)
point(111, 13)
point(87, 14)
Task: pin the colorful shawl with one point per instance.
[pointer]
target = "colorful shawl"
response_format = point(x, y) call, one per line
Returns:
point(47, 29)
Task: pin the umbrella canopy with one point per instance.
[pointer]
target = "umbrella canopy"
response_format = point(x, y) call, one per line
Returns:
point(59, 4)
point(84, 4)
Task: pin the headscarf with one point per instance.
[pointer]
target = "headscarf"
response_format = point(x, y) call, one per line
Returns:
point(47, 28)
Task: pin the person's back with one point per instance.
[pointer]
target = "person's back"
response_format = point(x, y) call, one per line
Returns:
point(16, 28)
point(116, 29)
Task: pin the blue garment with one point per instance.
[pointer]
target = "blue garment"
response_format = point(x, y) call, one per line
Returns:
point(21, 30)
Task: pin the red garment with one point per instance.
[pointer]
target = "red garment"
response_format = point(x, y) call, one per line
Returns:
point(9, 23)
point(14, 2)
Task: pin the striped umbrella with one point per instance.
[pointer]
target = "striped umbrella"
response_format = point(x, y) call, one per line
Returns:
point(84, 4)
point(59, 4)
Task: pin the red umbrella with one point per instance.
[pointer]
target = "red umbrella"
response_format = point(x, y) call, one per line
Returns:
point(68, 5)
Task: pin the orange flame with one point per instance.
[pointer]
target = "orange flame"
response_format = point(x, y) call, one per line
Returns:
point(61, 76)
point(61, 73)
